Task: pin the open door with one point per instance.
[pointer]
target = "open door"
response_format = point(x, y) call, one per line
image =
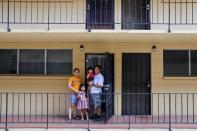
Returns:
point(106, 61)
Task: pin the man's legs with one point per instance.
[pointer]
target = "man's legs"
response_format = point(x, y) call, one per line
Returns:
point(92, 107)
point(98, 111)
point(97, 104)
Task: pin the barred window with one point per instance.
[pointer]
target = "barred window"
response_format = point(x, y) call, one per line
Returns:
point(8, 61)
point(180, 62)
point(194, 63)
point(176, 63)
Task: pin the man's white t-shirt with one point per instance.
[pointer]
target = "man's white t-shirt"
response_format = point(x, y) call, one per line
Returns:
point(98, 79)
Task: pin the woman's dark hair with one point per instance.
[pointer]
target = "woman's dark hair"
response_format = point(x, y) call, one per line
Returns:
point(76, 69)
point(90, 68)
point(81, 86)
point(98, 66)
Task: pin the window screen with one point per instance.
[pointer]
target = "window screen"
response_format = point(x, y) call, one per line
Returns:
point(176, 63)
point(194, 63)
point(59, 62)
point(8, 61)
point(31, 62)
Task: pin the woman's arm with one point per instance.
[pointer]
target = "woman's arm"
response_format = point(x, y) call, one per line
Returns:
point(73, 89)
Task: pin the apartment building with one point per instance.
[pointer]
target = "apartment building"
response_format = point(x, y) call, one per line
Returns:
point(147, 50)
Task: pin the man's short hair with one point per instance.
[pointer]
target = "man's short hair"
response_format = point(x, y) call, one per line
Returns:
point(98, 66)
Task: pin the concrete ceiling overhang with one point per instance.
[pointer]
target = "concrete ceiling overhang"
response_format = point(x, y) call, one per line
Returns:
point(98, 37)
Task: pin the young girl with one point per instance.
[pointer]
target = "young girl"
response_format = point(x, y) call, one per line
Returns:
point(83, 102)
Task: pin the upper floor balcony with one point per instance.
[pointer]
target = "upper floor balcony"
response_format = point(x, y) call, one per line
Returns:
point(87, 15)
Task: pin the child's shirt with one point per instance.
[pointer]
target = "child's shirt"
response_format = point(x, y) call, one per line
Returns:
point(91, 76)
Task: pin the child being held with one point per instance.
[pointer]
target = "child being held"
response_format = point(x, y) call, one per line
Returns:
point(82, 104)
point(90, 76)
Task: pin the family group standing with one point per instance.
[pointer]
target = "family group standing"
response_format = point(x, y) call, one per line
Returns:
point(79, 99)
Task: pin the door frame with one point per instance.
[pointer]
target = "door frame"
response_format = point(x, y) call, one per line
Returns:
point(150, 79)
point(86, 54)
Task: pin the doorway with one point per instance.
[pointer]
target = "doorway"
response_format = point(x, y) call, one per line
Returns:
point(106, 61)
point(136, 83)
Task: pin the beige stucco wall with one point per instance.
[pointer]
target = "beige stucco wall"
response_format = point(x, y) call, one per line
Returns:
point(113, 43)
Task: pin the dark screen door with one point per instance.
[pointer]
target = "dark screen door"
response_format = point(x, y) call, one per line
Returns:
point(106, 61)
point(135, 14)
point(136, 82)
point(101, 14)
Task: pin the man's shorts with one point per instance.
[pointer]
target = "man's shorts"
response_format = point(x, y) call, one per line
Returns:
point(73, 98)
point(96, 99)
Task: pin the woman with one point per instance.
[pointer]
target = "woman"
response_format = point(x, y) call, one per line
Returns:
point(74, 85)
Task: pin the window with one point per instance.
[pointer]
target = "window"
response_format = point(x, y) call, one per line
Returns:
point(180, 63)
point(176, 63)
point(8, 61)
point(194, 63)
point(35, 62)
point(59, 62)
point(31, 62)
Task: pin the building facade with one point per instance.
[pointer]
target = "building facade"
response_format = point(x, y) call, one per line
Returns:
point(147, 49)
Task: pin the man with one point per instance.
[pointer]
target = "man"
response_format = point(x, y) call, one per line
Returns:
point(74, 84)
point(96, 90)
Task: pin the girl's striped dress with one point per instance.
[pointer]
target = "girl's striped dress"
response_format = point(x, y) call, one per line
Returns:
point(82, 102)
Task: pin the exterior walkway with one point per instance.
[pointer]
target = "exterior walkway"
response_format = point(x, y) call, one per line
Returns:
point(115, 122)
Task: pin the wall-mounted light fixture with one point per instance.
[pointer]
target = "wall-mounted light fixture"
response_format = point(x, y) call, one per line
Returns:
point(154, 48)
point(81, 48)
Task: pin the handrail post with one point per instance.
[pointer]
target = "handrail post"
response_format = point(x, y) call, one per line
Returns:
point(48, 27)
point(129, 95)
point(6, 124)
point(106, 105)
point(129, 122)
point(88, 17)
point(8, 18)
point(170, 112)
point(47, 111)
point(169, 26)
point(89, 105)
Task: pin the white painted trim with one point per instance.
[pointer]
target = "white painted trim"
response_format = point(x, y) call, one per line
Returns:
point(99, 31)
